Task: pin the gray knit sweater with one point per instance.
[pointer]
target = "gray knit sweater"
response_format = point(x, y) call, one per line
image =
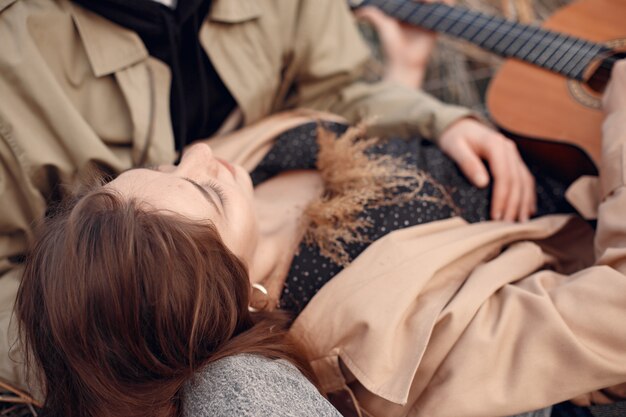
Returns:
point(253, 386)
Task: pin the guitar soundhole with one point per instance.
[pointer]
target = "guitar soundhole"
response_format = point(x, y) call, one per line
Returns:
point(584, 95)
point(589, 93)
point(600, 78)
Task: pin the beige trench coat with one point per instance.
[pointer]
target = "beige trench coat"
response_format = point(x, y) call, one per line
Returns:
point(77, 90)
point(449, 319)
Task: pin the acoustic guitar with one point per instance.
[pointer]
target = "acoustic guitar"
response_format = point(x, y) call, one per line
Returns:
point(547, 96)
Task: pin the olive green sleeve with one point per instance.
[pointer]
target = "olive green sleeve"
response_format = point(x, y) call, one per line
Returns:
point(330, 56)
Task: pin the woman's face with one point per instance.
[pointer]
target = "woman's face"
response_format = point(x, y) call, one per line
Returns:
point(201, 187)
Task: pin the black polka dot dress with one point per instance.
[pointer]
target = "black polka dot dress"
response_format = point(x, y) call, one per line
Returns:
point(298, 149)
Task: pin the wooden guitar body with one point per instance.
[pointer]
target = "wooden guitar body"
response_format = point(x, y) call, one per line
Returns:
point(541, 96)
point(533, 103)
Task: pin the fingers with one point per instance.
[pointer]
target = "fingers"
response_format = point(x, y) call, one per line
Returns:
point(470, 164)
point(614, 97)
point(504, 173)
point(387, 27)
point(374, 16)
point(468, 143)
point(514, 196)
point(528, 204)
point(448, 2)
point(406, 48)
point(523, 196)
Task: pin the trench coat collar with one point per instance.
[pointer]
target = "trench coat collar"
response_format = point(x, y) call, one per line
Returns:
point(111, 47)
point(234, 11)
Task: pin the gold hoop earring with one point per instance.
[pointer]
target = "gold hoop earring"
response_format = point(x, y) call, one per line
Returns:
point(264, 297)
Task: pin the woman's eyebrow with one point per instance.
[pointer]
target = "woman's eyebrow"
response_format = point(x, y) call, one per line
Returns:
point(210, 198)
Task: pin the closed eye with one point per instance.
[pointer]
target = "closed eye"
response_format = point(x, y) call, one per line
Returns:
point(208, 196)
point(218, 190)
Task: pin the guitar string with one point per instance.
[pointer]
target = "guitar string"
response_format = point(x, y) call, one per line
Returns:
point(566, 55)
point(447, 11)
point(559, 59)
point(542, 38)
point(444, 11)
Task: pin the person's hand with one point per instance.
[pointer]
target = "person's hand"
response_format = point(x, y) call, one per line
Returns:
point(614, 99)
point(469, 142)
point(614, 106)
point(406, 48)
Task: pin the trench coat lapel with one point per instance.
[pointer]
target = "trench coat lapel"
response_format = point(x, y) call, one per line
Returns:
point(116, 51)
point(236, 56)
point(110, 47)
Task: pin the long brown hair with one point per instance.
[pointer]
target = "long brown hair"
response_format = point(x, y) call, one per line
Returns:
point(120, 304)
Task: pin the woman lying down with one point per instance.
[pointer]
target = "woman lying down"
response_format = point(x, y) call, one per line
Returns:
point(163, 292)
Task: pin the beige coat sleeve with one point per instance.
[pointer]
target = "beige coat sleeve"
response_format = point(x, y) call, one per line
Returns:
point(548, 337)
point(613, 178)
point(20, 205)
point(451, 319)
point(330, 55)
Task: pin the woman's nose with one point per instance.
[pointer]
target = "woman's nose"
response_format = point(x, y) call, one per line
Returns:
point(199, 158)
